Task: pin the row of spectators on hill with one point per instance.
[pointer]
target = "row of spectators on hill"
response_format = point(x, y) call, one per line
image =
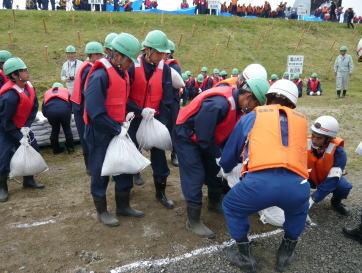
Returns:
point(260, 11)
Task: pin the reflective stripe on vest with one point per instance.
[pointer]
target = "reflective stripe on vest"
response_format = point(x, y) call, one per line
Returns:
point(117, 91)
point(77, 92)
point(266, 149)
point(225, 127)
point(62, 93)
point(230, 82)
point(147, 93)
point(320, 167)
point(313, 84)
point(25, 105)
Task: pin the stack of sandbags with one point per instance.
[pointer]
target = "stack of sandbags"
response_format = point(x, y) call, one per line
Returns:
point(42, 129)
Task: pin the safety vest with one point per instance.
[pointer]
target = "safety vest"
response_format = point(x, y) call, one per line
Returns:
point(188, 83)
point(77, 92)
point(298, 82)
point(320, 167)
point(271, 82)
point(62, 93)
point(313, 85)
point(205, 81)
point(2, 74)
point(225, 127)
point(117, 91)
point(172, 61)
point(230, 82)
point(25, 105)
point(199, 84)
point(265, 141)
point(215, 81)
point(147, 93)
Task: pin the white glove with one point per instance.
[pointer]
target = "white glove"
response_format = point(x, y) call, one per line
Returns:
point(148, 113)
point(311, 202)
point(200, 91)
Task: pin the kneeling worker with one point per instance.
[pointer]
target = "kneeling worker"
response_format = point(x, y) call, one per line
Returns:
point(314, 86)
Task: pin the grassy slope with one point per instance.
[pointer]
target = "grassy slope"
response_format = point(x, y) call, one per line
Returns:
point(275, 39)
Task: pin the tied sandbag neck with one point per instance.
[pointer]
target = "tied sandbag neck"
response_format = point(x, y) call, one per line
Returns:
point(26, 140)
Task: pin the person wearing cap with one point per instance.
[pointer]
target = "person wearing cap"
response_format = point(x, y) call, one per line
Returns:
point(271, 141)
point(235, 73)
point(207, 84)
point(94, 52)
point(4, 56)
point(273, 79)
point(190, 85)
point(198, 86)
point(215, 77)
point(223, 75)
point(185, 90)
point(285, 76)
point(202, 128)
point(175, 106)
point(57, 109)
point(326, 161)
point(18, 109)
point(70, 68)
point(343, 67)
point(105, 98)
point(314, 86)
point(299, 83)
point(151, 96)
point(107, 44)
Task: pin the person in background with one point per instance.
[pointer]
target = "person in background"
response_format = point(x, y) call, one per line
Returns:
point(273, 79)
point(223, 75)
point(207, 84)
point(343, 67)
point(4, 56)
point(107, 44)
point(198, 86)
point(70, 68)
point(299, 83)
point(314, 86)
point(190, 85)
point(216, 77)
point(235, 73)
point(350, 16)
point(285, 76)
point(184, 4)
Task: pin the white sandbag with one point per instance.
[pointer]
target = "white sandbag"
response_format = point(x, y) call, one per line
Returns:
point(273, 216)
point(177, 81)
point(359, 149)
point(122, 156)
point(234, 176)
point(359, 50)
point(153, 134)
point(26, 161)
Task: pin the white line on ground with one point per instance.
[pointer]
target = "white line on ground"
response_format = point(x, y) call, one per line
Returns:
point(196, 252)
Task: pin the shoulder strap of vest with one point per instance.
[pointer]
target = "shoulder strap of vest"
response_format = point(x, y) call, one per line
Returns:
point(106, 63)
point(139, 58)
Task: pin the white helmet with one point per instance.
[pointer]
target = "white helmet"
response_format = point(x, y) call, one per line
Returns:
point(255, 71)
point(326, 125)
point(286, 88)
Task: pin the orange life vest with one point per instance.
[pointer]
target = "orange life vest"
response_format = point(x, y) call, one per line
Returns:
point(320, 167)
point(313, 84)
point(117, 91)
point(62, 93)
point(147, 93)
point(25, 105)
point(265, 141)
point(230, 82)
point(77, 92)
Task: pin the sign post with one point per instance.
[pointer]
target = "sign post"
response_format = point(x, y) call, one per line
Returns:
point(295, 65)
point(213, 5)
point(93, 4)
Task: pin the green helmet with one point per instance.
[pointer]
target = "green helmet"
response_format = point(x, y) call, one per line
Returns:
point(12, 65)
point(295, 77)
point(171, 45)
point(200, 78)
point(259, 87)
point(223, 73)
point(188, 73)
point(314, 75)
point(343, 48)
point(216, 71)
point(128, 45)
point(57, 85)
point(4, 56)
point(204, 69)
point(70, 49)
point(108, 40)
point(185, 77)
point(94, 48)
point(158, 40)
point(286, 75)
point(274, 77)
point(235, 71)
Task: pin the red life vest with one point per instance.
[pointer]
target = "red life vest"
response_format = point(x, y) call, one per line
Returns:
point(25, 105)
point(320, 167)
point(61, 94)
point(313, 85)
point(172, 61)
point(199, 84)
point(77, 92)
point(2, 74)
point(215, 81)
point(225, 127)
point(188, 83)
point(298, 82)
point(205, 81)
point(147, 93)
point(117, 91)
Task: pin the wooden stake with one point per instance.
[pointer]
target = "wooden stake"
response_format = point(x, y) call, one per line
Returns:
point(45, 26)
point(300, 40)
point(14, 17)
point(180, 40)
point(227, 44)
point(78, 36)
point(143, 28)
point(215, 52)
point(110, 18)
point(73, 19)
point(46, 53)
point(334, 42)
point(206, 19)
point(193, 31)
point(162, 18)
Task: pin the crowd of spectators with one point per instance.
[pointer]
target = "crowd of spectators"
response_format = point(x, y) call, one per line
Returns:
point(265, 10)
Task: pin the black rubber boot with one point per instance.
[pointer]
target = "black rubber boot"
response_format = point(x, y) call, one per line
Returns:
point(354, 233)
point(174, 159)
point(242, 257)
point(4, 193)
point(29, 182)
point(56, 147)
point(194, 223)
point(214, 199)
point(338, 93)
point(102, 213)
point(138, 180)
point(123, 207)
point(340, 207)
point(344, 93)
point(160, 185)
point(285, 254)
point(69, 145)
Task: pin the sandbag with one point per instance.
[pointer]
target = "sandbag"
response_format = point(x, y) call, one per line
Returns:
point(153, 134)
point(177, 81)
point(273, 216)
point(234, 176)
point(359, 51)
point(26, 161)
point(122, 156)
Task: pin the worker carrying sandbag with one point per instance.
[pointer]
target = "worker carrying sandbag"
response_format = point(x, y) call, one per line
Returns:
point(105, 95)
point(18, 108)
